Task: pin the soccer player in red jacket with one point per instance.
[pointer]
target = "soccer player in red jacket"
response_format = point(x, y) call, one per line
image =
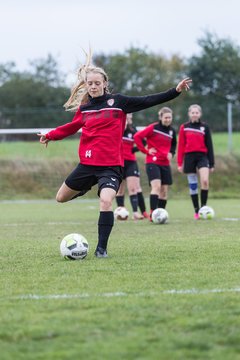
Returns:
point(131, 175)
point(195, 155)
point(161, 145)
point(101, 116)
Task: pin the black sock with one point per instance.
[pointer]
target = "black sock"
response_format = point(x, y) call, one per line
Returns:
point(141, 202)
point(134, 202)
point(120, 200)
point(162, 203)
point(195, 202)
point(204, 197)
point(105, 224)
point(153, 202)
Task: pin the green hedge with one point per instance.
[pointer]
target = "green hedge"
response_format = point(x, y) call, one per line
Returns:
point(28, 179)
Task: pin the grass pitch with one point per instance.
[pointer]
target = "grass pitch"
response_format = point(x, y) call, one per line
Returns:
point(165, 292)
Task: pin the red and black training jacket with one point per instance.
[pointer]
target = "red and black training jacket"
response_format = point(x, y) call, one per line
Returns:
point(160, 137)
point(195, 137)
point(102, 121)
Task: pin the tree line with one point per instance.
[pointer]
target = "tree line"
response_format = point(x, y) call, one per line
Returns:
point(35, 98)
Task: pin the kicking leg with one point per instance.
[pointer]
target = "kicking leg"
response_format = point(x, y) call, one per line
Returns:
point(65, 193)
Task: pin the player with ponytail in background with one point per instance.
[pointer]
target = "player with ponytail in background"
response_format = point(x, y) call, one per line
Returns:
point(195, 155)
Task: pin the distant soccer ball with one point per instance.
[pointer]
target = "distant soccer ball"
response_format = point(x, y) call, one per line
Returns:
point(74, 247)
point(121, 213)
point(160, 216)
point(206, 213)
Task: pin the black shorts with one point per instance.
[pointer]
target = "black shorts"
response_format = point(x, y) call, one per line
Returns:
point(130, 169)
point(84, 177)
point(159, 172)
point(194, 161)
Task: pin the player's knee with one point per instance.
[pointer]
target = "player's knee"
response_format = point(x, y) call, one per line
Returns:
point(205, 183)
point(132, 190)
point(105, 203)
point(193, 184)
point(163, 194)
point(156, 188)
point(60, 198)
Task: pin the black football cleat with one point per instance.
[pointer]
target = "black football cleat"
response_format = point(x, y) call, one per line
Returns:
point(101, 253)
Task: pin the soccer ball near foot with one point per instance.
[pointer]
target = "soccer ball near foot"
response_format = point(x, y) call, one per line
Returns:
point(121, 213)
point(160, 216)
point(74, 247)
point(206, 213)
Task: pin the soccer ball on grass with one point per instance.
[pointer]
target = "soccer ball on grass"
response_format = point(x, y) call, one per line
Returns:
point(160, 216)
point(121, 213)
point(74, 247)
point(206, 213)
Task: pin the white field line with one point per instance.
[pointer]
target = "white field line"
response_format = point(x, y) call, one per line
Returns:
point(43, 201)
point(230, 219)
point(42, 223)
point(53, 223)
point(123, 294)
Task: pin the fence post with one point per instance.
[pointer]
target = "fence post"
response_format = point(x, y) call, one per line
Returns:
point(229, 119)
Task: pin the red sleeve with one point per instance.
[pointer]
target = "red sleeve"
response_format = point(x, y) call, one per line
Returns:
point(181, 146)
point(141, 135)
point(67, 129)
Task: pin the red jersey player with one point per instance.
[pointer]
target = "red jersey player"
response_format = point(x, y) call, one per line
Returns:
point(101, 116)
point(195, 155)
point(161, 145)
point(131, 175)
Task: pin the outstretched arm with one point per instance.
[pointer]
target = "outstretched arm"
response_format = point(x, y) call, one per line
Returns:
point(43, 140)
point(137, 103)
point(62, 131)
point(184, 85)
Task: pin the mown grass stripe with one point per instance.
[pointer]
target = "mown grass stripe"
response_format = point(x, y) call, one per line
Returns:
point(123, 294)
point(53, 223)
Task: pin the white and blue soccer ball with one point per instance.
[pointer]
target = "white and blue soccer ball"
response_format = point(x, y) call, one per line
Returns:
point(206, 213)
point(74, 247)
point(160, 216)
point(121, 213)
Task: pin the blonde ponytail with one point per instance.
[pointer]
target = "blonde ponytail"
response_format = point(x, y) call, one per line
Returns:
point(79, 95)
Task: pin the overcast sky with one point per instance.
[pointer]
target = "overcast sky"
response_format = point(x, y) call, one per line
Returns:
point(31, 29)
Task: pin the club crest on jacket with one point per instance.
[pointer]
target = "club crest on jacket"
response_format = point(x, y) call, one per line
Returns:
point(110, 102)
